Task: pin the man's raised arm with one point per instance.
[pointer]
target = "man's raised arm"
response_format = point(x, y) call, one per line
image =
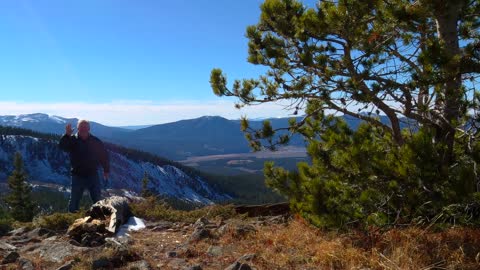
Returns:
point(66, 140)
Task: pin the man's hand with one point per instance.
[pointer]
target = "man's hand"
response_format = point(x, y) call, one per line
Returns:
point(69, 129)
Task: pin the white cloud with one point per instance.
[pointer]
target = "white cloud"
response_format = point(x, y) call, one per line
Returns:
point(139, 112)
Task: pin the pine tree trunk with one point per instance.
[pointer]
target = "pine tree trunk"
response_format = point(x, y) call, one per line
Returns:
point(447, 16)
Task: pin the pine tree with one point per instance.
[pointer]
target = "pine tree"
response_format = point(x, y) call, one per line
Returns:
point(389, 64)
point(412, 61)
point(145, 191)
point(19, 199)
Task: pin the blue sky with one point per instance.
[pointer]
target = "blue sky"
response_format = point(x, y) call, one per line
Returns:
point(124, 62)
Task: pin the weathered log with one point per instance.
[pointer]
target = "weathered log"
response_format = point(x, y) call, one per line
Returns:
point(263, 209)
point(114, 208)
point(103, 219)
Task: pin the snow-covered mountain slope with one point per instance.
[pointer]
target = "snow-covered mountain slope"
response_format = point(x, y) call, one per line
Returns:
point(20, 119)
point(45, 162)
point(42, 122)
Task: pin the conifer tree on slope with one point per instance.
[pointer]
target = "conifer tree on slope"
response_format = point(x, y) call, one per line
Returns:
point(415, 62)
point(19, 198)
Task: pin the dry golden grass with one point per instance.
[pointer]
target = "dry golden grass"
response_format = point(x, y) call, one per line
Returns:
point(301, 246)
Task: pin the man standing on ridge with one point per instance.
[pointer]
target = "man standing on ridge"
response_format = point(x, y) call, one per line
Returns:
point(87, 153)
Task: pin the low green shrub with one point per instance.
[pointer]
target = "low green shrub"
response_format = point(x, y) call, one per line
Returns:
point(154, 209)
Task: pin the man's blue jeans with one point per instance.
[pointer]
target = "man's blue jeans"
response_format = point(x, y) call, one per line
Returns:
point(79, 184)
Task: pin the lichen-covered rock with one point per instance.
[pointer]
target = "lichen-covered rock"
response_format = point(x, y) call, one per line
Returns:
point(242, 263)
point(9, 256)
point(56, 251)
point(25, 264)
point(199, 234)
point(139, 265)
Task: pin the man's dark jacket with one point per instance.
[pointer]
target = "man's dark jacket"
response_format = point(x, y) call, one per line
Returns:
point(85, 155)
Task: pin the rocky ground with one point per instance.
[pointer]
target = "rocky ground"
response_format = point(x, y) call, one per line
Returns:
point(254, 238)
point(161, 245)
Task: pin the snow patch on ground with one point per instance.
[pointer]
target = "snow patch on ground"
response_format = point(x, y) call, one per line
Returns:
point(133, 224)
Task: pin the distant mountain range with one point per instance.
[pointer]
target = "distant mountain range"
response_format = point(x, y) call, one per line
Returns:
point(207, 135)
point(46, 163)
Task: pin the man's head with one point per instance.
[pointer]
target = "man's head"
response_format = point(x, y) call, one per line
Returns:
point(83, 128)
